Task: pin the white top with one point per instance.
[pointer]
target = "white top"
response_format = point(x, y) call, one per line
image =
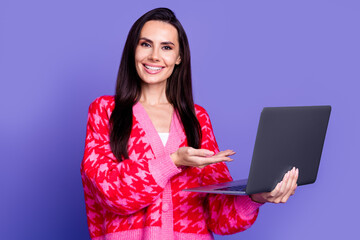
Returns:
point(164, 137)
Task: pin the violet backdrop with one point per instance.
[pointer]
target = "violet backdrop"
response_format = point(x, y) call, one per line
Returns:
point(58, 56)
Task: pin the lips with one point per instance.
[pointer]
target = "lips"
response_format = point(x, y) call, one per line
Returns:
point(152, 69)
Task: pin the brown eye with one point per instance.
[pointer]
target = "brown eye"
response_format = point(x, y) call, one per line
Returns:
point(167, 48)
point(145, 44)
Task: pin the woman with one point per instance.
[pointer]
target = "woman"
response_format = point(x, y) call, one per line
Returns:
point(149, 141)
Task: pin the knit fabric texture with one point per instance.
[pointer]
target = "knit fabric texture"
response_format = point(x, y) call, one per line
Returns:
point(141, 197)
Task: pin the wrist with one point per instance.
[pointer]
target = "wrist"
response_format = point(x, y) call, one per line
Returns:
point(174, 157)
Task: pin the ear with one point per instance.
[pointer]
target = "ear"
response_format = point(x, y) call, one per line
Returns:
point(178, 60)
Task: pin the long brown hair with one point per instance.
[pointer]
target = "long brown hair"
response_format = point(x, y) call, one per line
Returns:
point(128, 87)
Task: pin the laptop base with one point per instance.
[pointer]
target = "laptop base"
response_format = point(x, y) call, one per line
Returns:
point(237, 187)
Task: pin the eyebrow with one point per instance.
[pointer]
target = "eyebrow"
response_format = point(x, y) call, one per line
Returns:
point(163, 43)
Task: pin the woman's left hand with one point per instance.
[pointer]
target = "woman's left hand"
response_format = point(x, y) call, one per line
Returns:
point(282, 191)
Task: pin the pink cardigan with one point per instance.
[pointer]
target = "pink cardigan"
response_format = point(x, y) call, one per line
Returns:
point(141, 197)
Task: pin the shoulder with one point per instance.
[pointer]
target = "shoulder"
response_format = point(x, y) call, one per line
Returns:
point(103, 102)
point(199, 109)
point(102, 106)
point(202, 115)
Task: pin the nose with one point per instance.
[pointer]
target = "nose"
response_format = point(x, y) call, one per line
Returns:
point(154, 55)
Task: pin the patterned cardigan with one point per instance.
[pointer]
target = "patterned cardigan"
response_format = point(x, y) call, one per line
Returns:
point(141, 197)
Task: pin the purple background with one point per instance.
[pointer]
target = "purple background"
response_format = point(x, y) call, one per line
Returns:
point(57, 56)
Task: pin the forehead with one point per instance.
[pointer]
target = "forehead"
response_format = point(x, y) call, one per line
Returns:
point(159, 31)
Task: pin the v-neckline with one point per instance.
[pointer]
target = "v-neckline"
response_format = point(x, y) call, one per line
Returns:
point(175, 133)
point(152, 123)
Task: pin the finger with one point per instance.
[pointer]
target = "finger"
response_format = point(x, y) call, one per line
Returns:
point(198, 161)
point(200, 152)
point(290, 186)
point(290, 181)
point(225, 153)
point(218, 157)
point(297, 175)
point(229, 152)
point(286, 194)
point(274, 192)
point(294, 184)
point(283, 188)
point(214, 159)
point(204, 163)
point(293, 192)
point(284, 185)
point(295, 180)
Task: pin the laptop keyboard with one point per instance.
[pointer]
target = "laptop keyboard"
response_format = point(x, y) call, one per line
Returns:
point(233, 188)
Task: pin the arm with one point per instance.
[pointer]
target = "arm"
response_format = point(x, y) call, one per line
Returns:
point(125, 187)
point(227, 214)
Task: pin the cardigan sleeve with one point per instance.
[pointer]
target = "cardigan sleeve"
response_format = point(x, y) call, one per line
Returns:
point(125, 187)
point(227, 214)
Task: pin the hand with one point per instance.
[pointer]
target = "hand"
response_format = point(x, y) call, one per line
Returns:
point(188, 156)
point(282, 191)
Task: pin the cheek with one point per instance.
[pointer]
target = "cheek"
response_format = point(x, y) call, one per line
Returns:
point(171, 59)
point(139, 55)
point(138, 60)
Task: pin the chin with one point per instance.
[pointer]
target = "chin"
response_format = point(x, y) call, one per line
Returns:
point(154, 82)
point(154, 79)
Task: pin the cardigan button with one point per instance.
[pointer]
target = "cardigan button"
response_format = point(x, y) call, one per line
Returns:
point(165, 207)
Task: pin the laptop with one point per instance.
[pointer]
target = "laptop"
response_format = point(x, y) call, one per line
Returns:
point(287, 137)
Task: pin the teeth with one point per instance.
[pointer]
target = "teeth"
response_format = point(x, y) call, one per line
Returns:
point(153, 68)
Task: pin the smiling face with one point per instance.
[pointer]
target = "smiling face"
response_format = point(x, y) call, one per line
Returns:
point(157, 52)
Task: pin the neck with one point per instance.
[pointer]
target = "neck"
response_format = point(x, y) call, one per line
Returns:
point(153, 94)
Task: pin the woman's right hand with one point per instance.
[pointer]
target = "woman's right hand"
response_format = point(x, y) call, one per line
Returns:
point(188, 156)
